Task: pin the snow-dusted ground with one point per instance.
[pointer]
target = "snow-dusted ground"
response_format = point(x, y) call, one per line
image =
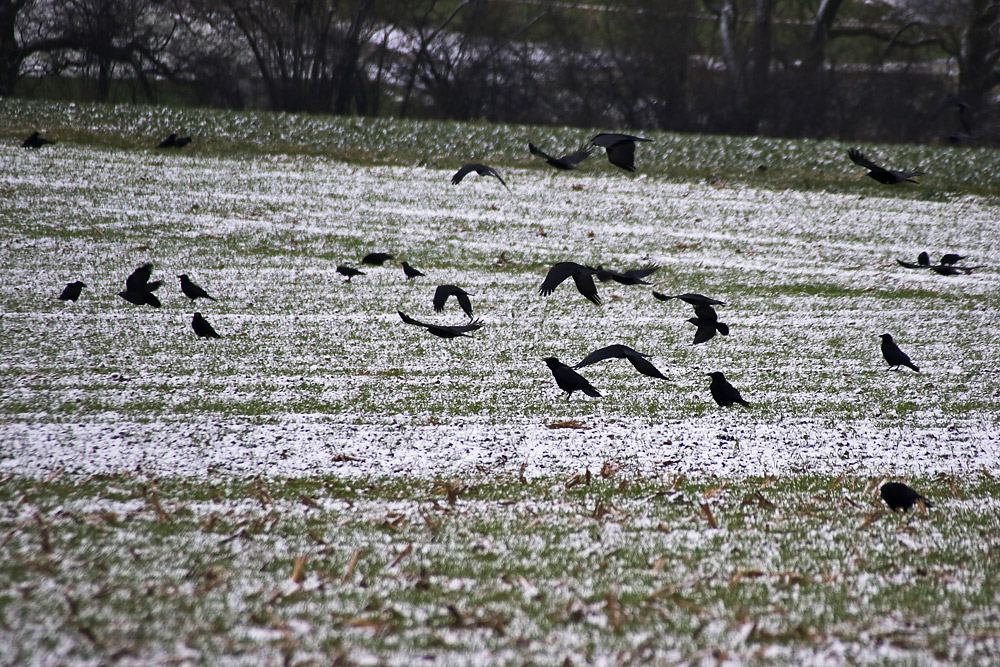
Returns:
point(316, 376)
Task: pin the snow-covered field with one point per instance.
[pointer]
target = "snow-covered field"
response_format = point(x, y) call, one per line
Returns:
point(310, 367)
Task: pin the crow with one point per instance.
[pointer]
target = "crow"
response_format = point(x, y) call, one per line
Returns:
point(568, 379)
point(706, 329)
point(724, 393)
point(72, 291)
point(139, 290)
point(442, 293)
point(193, 291)
point(566, 161)
point(173, 141)
point(630, 277)
point(620, 148)
point(376, 258)
point(951, 258)
point(637, 359)
point(410, 271)
point(480, 169)
point(443, 331)
point(881, 174)
point(582, 276)
point(202, 328)
point(899, 496)
point(693, 299)
point(349, 271)
point(36, 141)
point(923, 262)
point(893, 355)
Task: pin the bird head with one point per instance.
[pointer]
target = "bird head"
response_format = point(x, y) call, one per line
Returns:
point(552, 362)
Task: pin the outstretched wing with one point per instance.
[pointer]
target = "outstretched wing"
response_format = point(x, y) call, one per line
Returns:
point(606, 139)
point(622, 155)
point(463, 172)
point(137, 281)
point(466, 328)
point(536, 151)
point(409, 320)
point(706, 330)
point(555, 276)
point(577, 157)
point(645, 367)
point(643, 272)
point(705, 313)
point(585, 284)
point(609, 352)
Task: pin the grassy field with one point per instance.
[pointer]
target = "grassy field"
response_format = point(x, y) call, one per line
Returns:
point(327, 484)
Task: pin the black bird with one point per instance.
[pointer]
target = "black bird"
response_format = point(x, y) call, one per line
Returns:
point(899, 496)
point(480, 169)
point(443, 331)
point(568, 379)
point(72, 291)
point(442, 293)
point(191, 290)
point(620, 148)
point(951, 258)
point(349, 271)
point(202, 327)
point(566, 161)
point(947, 270)
point(706, 329)
point(36, 141)
point(893, 355)
point(637, 359)
point(693, 299)
point(376, 258)
point(881, 174)
point(139, 290)
point(173, 141)
point(410, 271)
point(630, 277)
point(923, 262)
point(583, 276)
point(724, 393)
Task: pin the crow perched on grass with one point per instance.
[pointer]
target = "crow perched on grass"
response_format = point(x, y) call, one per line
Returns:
point(443, 331)
point(35, 140)
point(202, 328)
point(442, 293)
point(636, 358)
point(193, 291)
point(724, 393)
point(582, 276)
point(349, 271)
point(881, 174)
point(376, 258)
point(565, 162)
point(410, 271)
point(692, 299)
point(893, 355)
point(173, 141)
point(72, 291)
point(480, 169)
point(630, 277)
point(899, 496)
point(139, 290)
point(620, 148)
point(568, 379)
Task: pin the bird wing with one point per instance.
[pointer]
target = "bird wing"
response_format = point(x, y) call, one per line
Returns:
point(663, 297)
point(622, 154)
point(606, 139)
point(910, 265)
point(490, 171)
point(604, 275)
point(643, 272)
point(555, 276)
point(705, 313)
point(859, 159)
point(441, 295)
point(465, 328)
point(645, 367)
point(609, 352)
point(463, 172)
point(706, 330)
point(464, 302)
point(577, 157)
point(951, 258)
point(585, 284)
point(136, 282)
point(409, 320)
point(536, 151)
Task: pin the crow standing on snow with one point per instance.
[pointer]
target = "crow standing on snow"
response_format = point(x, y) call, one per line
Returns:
point(139, 290)
point(620, 148)
point(202, 328)
point(899, 496)
point(480, 169)
point(881, 174)
point(636, 358)
point(568, 379)
point(583, 276)
point(349, 271)
point(35, 140)
point(72, 291)
point(410, 271)
point(442, 293)
point(376, 258)
point(191, 290)
point(893, 355)
point(724, 393)
point(566, 161)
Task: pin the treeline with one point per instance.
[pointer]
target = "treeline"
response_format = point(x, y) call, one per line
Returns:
point(920, 70)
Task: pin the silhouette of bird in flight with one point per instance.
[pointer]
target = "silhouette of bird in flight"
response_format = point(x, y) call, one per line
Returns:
point(442, 293)
point(693, 299)
point(637, 359)
point(899, 496)
point(410, 271)
point(724, 393)
point(202, 328)
point(349, 271)
point(376, 258)
point(568, 379)
point(139, 290)
point(620, 148)
point(173, 141)
point(566, 161)
point(583, 276)
point(72, 291)
point(881, 174)
point(630, 277)
point(480, 169)
point(707, 321)
point(443, 331)
point(893, 355)
point(193, 291)
point(35, 140)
